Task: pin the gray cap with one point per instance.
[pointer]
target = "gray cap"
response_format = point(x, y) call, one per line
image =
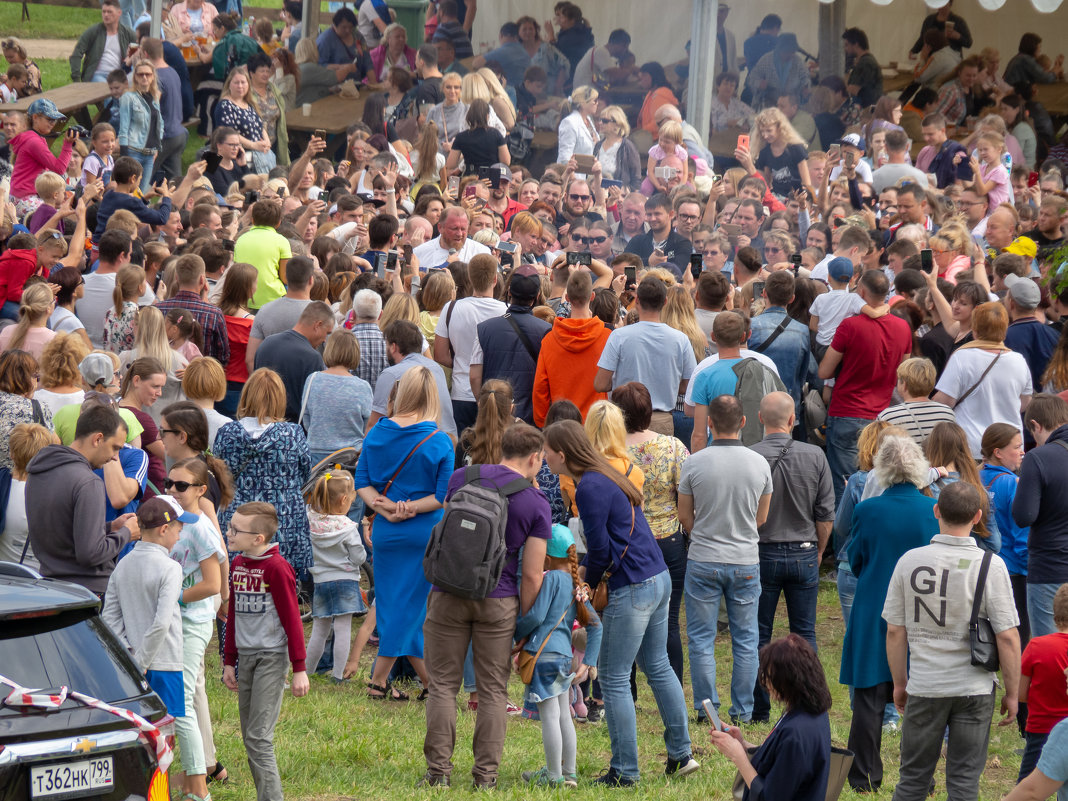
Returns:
point(96, 369)
point(1023, 291)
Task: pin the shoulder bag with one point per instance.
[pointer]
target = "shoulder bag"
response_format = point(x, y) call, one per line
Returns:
point(526, 661)
point(522, 337)
point(975, 386)
point(763, 346)
point(396, 473)
point(982, 639)
point(600, 595)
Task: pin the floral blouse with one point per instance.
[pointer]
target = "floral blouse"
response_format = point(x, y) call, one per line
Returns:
point(734, 110)
point(660, 459)
point(119, 329)
point(245, 120)
point(269, 113)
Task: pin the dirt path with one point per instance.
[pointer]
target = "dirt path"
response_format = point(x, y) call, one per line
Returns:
point(49, 48)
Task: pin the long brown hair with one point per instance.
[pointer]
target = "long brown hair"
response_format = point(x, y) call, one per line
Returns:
point(948, 444)
point(568, 437)
point(483, 440)
point(189, 419)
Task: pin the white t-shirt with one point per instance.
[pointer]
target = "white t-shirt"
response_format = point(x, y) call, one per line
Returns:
point(997, 397)
point(16, 528)
point(432, 254)
point(54, 401)
point(744, 353)
point(601, 59)
point(863, 172)
point(461, 333)
point(111, 58)
point(833, 307)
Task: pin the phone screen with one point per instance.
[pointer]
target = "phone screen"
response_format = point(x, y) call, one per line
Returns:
point(927, 260)
point(391, 260)
point(631, 273)
point(758, 289)
point(795, 259)
point(454, 184)
point(380, 265)
point(696, 265)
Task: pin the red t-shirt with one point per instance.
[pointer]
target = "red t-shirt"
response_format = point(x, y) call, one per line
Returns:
point(871, 351)
point(1044, 661)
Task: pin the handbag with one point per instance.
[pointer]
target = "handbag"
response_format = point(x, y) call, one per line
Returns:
point(981, 636)
point(838, 770)
point(526, 661)
point(600, 595)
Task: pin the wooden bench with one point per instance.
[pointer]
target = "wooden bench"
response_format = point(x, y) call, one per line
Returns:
point(69, 99)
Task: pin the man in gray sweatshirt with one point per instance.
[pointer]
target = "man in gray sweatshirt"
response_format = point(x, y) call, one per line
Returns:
point(65, 503)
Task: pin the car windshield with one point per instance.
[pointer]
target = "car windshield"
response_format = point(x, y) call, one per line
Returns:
point(83, 656)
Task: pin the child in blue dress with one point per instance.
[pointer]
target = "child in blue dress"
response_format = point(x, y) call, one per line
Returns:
point(551, 618)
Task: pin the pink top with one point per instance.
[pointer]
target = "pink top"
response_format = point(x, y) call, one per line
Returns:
point(189, 350)
point(180, 17)
point(32, 157)
point(34, 343)
point(999, 192)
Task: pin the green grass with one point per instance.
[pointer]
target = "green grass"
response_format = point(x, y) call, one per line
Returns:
point(46, 22)
point(335, 743)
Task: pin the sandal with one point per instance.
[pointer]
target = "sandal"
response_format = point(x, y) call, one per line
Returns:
point(377, 692)
point(214, 776)
point(423, 695)
point(193, 797)
point(397, 695)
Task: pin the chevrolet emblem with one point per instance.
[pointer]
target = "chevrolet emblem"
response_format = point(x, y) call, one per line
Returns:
point(84, 746)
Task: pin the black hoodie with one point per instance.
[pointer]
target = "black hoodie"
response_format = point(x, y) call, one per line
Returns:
point(65, 503)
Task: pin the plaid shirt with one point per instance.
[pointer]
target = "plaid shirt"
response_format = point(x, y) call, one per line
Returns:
point(953, 102)
point(373, 358)
point(211, 321)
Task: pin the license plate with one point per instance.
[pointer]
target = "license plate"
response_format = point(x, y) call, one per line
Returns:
point(72, 779)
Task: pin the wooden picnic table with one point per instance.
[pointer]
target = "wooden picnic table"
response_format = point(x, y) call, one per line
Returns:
point(722, 144)
point(894, 80)
point(69, 99)
point(1054, 96)
point(334, 114)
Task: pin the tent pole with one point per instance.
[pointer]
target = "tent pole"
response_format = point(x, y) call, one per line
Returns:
point(831, 27)
point(155, 27)
point(702, 66)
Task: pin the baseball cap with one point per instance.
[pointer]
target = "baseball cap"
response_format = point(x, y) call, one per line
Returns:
point(160, 510)
point(560, 540)
point(43, 105)
point(506, 173)
point(525, 283)
point(1023, 246)
point(97, 368)
point(840, 268)
point(852, 140)
point(1023, 291)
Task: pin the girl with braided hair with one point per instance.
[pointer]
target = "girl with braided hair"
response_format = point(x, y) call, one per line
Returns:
point(545, 633)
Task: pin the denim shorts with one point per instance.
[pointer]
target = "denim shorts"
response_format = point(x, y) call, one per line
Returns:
point(333, 598)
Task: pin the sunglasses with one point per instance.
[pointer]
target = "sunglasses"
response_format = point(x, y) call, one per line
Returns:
point(592, 240)
point(580, 197)
point(607, 121)
point(181, 486)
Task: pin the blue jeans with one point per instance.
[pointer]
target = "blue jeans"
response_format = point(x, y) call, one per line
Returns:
point(786, 568)
point(635, 628)
point(683, 427)
point(1040, 608)
point(842, 433)
point(847, 588)
point(739, 586)
point(146, 161)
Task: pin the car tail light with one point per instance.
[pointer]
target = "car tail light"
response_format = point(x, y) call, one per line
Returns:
point(159, 788)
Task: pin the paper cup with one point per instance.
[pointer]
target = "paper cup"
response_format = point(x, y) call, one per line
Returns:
point(307, 109)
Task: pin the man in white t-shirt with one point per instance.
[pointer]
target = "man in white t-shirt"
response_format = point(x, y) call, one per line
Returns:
point(452, 244)
point(103, 46)
point(612, 63)
point(455, 336)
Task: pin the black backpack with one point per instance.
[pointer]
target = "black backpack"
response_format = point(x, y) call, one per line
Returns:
point(467, 549)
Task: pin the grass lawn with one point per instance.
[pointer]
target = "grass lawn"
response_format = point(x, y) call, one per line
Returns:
point(46, 22)
point(336, 743)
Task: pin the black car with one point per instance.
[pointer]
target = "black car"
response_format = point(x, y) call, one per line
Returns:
point(50, 637)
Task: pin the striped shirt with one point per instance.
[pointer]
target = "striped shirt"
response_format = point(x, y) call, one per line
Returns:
point(918, 417)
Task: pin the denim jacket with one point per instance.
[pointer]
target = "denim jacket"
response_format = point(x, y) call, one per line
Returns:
point(790, 351)
point(134, 122)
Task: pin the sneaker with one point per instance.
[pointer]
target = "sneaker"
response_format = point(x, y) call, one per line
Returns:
point(612, 779)
point(432, 780)
point(570, 781)
point(595, 713)
point(541, 778)
point(890, 728)
point(677, 768)
point(512, 709)
point(472, 706)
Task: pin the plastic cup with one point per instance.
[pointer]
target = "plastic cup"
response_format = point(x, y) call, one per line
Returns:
point(307, 109)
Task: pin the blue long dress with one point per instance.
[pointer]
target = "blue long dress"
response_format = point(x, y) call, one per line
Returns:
point(271, 468)
point(401, 589)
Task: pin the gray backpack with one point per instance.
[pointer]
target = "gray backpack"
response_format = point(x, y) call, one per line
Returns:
point(467, 549)
point(754, 382)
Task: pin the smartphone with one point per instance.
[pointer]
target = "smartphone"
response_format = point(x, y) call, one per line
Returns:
point(795, 259)
point(415, 286)
point(696, 265)
point(380, 265)
point(666, 173)
point(506, 247)
point(578, 259)
point(507, 260)
point(730, 229)
point(454, 185)
point(251, 197)
point(850, 158)
point(631, 272)
point(713, 716)
point(391, 260)
point(584, 163)
point(833, 151)
point(320, 133)
point(758, 289)
point(608, 183)
point(927, 260)
point(213, 161)
point(470, 190)
point(491, 175)
point(743, 141)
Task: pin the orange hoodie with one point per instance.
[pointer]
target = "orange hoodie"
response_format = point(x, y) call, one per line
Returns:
point(567, 364)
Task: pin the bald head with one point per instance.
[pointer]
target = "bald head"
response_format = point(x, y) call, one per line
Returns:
point(1000, 228)
point(777, 413)
point(667, 112)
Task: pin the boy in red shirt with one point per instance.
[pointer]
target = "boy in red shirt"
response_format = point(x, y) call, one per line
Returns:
point(1042, 671)
point(262, 625)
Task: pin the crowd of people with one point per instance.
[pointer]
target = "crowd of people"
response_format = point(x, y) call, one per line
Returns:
point(649, 377)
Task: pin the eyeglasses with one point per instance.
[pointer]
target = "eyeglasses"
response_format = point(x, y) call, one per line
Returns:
point(606, 121)
point(591, 240)
point(772, 249)
point(181, 486)
point(144, 74)
point(573, 196)
point(689, 217)
point(236, 530)
point(169, 431)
